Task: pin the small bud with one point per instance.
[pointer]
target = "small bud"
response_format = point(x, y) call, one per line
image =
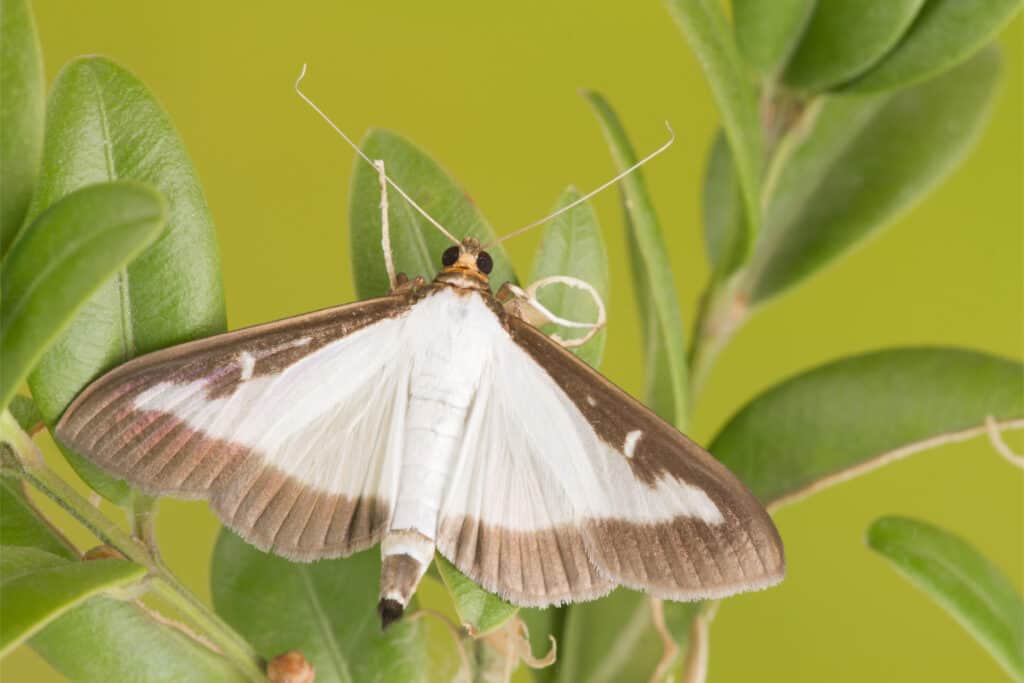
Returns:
point(103, 552)
point(290, 667)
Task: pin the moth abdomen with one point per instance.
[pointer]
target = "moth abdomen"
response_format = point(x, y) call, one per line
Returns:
point(406, 554)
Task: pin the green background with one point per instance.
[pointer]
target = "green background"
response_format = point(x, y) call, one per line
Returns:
point(491, 93)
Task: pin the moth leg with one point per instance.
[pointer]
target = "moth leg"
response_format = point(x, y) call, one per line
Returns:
point(385, 226)
point(404, 284)
point(524, 305)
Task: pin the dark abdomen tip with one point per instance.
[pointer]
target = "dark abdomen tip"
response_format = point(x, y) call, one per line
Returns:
point(390, 612)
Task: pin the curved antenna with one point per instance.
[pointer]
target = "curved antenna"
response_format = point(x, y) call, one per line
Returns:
point(666, 145)
point(368, 160)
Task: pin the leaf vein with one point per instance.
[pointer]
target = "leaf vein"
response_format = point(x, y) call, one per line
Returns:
point(321, 621)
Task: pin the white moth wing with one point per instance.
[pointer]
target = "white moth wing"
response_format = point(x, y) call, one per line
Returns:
point(567, 486)
point(507, 520)
point(292, 430)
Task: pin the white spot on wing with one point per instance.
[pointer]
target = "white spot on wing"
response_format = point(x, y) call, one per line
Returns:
point(248, 363)
point(590, 401)
point(304, 341)
point(630, 444)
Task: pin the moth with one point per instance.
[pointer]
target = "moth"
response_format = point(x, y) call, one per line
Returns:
point(436, 418)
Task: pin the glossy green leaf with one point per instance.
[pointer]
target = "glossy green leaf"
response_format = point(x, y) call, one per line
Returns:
point(37, 587)
point(846, 37)
point(22, 526)
point(722, 211)
point(416, 244)
point(66, 255)
point(25, 413)
point(103, 125)
point(105, 640)
point(22, 105)
point(822, 426)
point(572, 245)
point(863, 162)
point(326, 609)
point(665, 348)
point(480, 611)
point(767, 32)
point(704, 25)
point(945, 33)
point(614, 638)
point(961, 580)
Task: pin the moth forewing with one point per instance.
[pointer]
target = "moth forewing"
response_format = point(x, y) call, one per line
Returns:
point(245, 420)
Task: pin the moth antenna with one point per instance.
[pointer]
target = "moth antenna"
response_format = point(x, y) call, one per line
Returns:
point(603, 186)
point(385, 226)
point(368, 160)
point(530, 296)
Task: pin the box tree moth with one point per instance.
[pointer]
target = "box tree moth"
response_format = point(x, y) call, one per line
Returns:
point(436, 418)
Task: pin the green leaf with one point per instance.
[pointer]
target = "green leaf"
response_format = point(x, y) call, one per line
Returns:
point(767, 32)
point(21, 524)
point(845, 37)
point(945, 33)
point(959, 578)
point(614, 638)
point(416, 244)
point(722, 211)
point(103, 125)
point(37, 587)
point(326, 609)
point(572, 245)
point(22, 85)
point(479, 610)
point(704, 25)
point(25, 413)
point(822, 426)
point(652, 278)
point(864, 161)
point(105, 639)
point(68, 253)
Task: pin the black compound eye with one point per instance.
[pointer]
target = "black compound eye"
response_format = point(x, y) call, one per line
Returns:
point(450, 256)
point(484, 262)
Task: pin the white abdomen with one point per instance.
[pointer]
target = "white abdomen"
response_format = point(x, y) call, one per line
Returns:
point(452, 341)
point(439, 399)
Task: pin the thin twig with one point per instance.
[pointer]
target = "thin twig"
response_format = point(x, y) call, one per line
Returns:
point(1002, 448)
point(526, 652)
point(695, 665)
point(884, 459)
point(670, 650)
point(143, 518)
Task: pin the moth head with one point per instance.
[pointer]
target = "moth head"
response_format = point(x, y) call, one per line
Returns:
point(467, 258)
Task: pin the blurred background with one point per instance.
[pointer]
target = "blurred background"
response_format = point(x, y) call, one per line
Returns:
point(492, 94)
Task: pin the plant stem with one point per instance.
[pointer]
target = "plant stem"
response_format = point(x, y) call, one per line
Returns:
point(33, 469)
point(143, 519)
point(723, 311)
point(695, 664)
